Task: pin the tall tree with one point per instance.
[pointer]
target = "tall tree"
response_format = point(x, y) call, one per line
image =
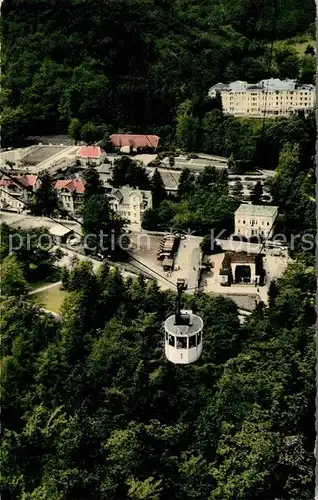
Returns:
point(127, 172)
point(102, 227)
point(237, 191)
point(186, 183)
point(12, 277)
point(74, 129)
point(158, 189)
point(257, 193)
point(44, 201)
point(93, 183)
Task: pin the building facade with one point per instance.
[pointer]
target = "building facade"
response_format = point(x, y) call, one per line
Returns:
point(255, 220)
point(70, 194)
point(16, 191)
point(91, 154)
point(272, 97)
point(130, 203)
point(134, 142)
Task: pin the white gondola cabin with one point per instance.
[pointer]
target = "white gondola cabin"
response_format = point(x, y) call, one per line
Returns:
point(183, 333)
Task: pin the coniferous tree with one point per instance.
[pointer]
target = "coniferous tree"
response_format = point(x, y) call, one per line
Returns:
point(44, 201)
point(158, 189)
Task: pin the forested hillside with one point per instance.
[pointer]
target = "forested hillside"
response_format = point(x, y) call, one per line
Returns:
point(91, 409)
point(130, 63)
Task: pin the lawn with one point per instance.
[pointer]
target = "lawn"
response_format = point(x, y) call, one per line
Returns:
point(298, 43)
point(51, 299)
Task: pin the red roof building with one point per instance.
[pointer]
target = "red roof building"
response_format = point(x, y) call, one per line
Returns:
point(70, 185)
point(135, 141)
point(67, 189)
point(26, 181)
point(16, 190)
point(89, 154)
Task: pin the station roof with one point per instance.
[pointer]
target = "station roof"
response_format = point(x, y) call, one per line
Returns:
point(59, 230)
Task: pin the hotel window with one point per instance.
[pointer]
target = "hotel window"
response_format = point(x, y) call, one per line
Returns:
point(243, 221)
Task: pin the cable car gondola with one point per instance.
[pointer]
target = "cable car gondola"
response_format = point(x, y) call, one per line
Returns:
point(183, 333)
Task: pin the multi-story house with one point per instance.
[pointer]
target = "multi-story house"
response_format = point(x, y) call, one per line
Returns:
point(272, 97)
point(70, 193)
point(255, 220)
point(130, 204)
point(16, 191)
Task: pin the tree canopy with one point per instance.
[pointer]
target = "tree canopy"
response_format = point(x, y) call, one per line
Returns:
point(88, 66)
point(92, 409)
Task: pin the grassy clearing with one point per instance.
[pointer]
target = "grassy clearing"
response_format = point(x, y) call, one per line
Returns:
point(51, 299)
point(298, 43)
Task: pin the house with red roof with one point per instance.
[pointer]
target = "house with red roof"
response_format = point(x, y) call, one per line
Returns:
point(70, 193)
point(16, 190)
point(91, 154)
point(135, 142)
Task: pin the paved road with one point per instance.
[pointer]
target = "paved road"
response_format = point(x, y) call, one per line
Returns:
point(26, 221)
point(44, 288)
point(188, 259)
point(239, 246)
point(56, 316)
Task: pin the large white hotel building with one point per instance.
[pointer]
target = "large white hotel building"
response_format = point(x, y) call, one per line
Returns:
point(275, 97)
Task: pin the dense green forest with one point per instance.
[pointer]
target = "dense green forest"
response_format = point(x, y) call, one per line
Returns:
point(91, 409)
point(129, 64)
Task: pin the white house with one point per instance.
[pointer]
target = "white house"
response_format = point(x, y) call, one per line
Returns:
point(130, 203)
point(255, 220)
point(91, 154)
point(15, 191)
point(70, 193)
point(273, 96)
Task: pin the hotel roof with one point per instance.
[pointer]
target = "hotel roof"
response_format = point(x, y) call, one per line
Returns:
point(269, 85)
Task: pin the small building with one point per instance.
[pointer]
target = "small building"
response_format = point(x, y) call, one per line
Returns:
point(130, 203)
point(243, 267)
point(135, 143)
point(255, 220)
point(105, 172)
point(15, 191)
point(70, 193)
point(60, 233)
point(91, 154)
